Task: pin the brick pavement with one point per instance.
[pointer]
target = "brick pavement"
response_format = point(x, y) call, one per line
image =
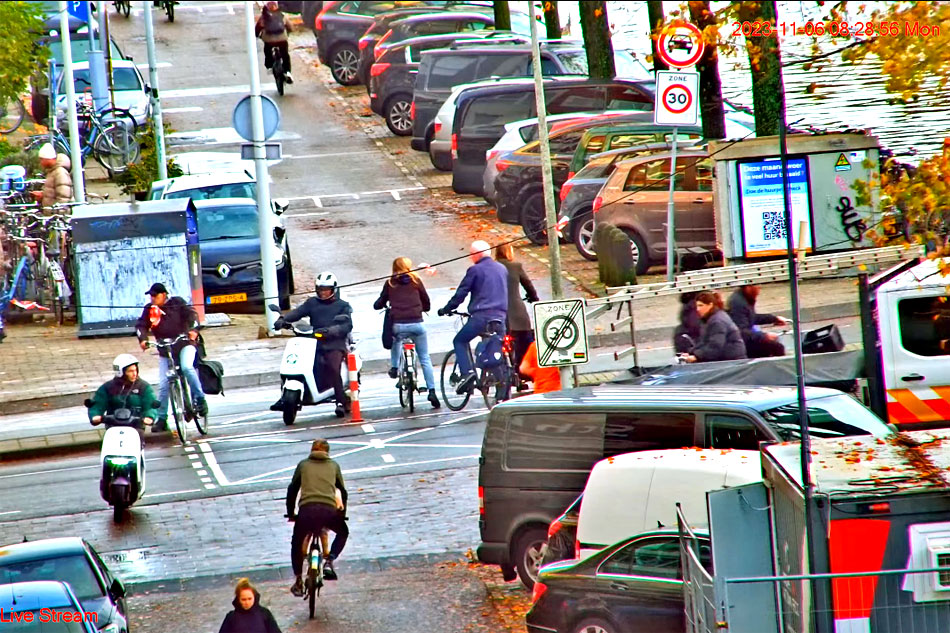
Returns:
point(435, 512)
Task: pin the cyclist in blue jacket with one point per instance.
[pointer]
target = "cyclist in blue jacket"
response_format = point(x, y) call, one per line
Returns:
point(487, 282)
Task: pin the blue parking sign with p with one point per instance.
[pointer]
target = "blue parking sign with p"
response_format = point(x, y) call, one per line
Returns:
point(79, 9)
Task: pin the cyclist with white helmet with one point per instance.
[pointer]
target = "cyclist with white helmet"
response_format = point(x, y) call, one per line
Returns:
point(330, 318)
point(125, 391)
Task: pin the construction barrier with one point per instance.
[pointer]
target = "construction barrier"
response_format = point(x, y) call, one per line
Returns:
point(354, 376)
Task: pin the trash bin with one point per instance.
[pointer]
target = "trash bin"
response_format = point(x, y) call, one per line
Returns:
point(121, 249)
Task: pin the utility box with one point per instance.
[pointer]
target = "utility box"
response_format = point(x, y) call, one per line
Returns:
point(122, 249)
point(750, 216)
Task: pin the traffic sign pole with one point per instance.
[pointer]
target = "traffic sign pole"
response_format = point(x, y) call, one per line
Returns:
point(671, 218)
point(158, 125)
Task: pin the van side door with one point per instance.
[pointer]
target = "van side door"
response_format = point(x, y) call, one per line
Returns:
point(732, 430)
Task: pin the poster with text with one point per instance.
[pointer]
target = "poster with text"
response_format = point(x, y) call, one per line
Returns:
point(763, 207)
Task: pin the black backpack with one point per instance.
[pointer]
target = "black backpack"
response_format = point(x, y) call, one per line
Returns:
point(273, 23)
point(211, 375)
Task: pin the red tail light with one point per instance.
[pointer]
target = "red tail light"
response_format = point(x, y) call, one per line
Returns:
point(378, 69)
point(570, 175)
point(577, 548)
point(438, 127)
point(481, 501)
point(363, 43)
point(318, 23)
point(501, 165)
point(566, 189)
point(412, 111)
point(490, 154)
point(538, 591)
point(507, 344)
point(455, 146)
point(598, 203)
point(379, 48)
point(554, 528)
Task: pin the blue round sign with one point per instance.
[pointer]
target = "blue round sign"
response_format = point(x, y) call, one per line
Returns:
point(241, 118)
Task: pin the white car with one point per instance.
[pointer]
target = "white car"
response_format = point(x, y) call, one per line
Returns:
point(128, 89)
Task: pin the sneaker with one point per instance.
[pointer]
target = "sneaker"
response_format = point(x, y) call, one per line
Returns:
point(434, 399)
point(160, 425)
point(288, 79)
point(278, 406)
point(202, 407)
point(466, 383)
point(393, 372)
point(328, 572)
point(340, 410)
point(297, 588)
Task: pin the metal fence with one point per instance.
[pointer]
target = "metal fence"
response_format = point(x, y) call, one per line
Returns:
point(698, 586)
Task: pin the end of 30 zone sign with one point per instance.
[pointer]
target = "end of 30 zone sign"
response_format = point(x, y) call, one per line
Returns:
point(677, 98)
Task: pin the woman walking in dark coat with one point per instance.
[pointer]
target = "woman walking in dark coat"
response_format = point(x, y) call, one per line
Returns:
point(519, 324)
point(720, 338)
point(690, 327)
point(248, 615)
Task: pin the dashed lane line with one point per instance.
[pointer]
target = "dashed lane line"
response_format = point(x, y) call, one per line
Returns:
point(213, 464)
point(389, 459)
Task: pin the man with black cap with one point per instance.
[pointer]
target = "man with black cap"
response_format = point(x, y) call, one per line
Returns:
point(170, 318)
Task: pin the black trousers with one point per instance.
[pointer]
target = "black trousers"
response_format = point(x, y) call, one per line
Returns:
point(326, 370)
point(284, 54)
point(761, 347)
point(312, 519)
point(520, 341)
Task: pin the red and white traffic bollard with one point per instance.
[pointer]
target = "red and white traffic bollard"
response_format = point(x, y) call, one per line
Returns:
point(354, 388)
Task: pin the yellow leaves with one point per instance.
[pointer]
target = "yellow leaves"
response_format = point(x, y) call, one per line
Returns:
point(598, 12)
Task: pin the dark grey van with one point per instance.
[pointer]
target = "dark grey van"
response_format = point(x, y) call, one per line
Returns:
point(481, 115)
point(539, 450)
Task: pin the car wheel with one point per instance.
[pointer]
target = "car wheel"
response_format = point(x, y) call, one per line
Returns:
point(344, 65)
point(527, 555)
point(638, 250)
point(582, 227)
point(594, 625)
point(398, 115)
point(440, 162)
point(533, 219)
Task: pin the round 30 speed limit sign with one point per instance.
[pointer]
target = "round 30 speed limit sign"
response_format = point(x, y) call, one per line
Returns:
point(677, 101)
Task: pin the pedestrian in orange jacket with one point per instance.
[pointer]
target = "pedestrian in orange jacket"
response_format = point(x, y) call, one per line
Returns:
point(544, 378)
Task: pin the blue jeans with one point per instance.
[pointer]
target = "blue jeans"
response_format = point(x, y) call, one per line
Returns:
point(416, 332)
point(187, 359)
point(472, 328)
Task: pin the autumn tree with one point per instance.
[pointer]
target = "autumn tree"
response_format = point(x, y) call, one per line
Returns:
point(552, 21)
point(710, 86)
point(655, 14)
point(502, 15)
point(596, 30)
point(768, 95)
point(20, 56)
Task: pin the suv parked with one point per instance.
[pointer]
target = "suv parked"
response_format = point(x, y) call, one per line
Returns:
point(434, 24)
point(538, 450)
point(635, 199)
point(393, 75)
point(379, 27)
point(440, 71)
point(481, 114)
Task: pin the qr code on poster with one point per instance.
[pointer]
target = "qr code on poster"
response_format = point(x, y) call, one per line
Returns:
point(773, 225)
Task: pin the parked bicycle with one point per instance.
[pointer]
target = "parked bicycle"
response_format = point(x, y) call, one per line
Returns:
point(494, 381)
point(12, 114)
point(183, 404)
point(408, 374)
point(123, 7)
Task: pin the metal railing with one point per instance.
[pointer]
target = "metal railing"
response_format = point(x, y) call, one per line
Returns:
point(699, 596)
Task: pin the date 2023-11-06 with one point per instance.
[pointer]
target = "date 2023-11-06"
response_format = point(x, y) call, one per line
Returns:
point(893, 28)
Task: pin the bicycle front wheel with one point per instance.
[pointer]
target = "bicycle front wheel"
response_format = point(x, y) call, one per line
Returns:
point(115, 147)
point(178, 410)
point(451, 377)
point(12, 114)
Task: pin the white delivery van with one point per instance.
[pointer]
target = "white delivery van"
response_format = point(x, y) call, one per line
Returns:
point(635, 492)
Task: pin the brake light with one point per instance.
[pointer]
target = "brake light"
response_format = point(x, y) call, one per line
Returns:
point(538, 591)
point(455, 146)
point(501, 165)
point(412, 111)
point(363, 43)
point(318, 22)
point(507, 344)
point(577, 548)
point(490, 154)
point(438, 127)
point(481, 501)
point(378, 69)
point(554, 528)
point(598, 203)
point(566, 189)
point(570, 175)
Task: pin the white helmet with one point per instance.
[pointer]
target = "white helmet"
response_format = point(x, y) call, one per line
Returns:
point(326, 280)
point(123, 362)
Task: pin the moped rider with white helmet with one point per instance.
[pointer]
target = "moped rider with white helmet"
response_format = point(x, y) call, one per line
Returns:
point(125, 391)
point(331, 320)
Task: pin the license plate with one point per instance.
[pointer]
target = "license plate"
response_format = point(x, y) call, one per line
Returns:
point(240, 296)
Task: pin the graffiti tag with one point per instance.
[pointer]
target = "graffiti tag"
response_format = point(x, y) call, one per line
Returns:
point(851, 221)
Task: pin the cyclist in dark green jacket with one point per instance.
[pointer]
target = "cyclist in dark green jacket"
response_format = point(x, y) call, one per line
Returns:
point(125, 391)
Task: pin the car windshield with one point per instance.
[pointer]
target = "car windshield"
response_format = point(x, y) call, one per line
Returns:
point(74, 569)
point(80, 49)
point(600, 167)
point(834, 416)
point(37, 625)
point(122, 79)
point(210, 192)
point(575, 63)
point(215, 223)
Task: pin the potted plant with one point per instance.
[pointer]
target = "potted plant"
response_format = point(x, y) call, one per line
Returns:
point(137, 180)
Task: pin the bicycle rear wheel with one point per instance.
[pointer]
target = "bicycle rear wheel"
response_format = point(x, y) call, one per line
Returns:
point(178, 410)
point(279, 74)
point(451, 377)
point(495, 384)
point(120, 116)
point(170, 10)
point(115, 147)
point(12, 114)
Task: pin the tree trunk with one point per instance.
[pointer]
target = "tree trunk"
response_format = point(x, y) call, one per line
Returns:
point(655, 12)
point(596, 29)
point(710, 87)
point(552, 22)
point(765, 60)
point(502, 15)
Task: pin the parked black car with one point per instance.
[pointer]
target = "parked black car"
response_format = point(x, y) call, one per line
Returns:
point(562, 535)
point(481, 114)
point(76, 562)
point(634, 585)
point(393, 75)
point(435, 24)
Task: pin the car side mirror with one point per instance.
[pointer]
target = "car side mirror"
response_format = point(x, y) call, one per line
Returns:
point(88, 402)
point(117, 589)
point(281, 205)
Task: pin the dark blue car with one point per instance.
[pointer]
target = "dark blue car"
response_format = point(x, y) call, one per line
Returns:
point(231, 254)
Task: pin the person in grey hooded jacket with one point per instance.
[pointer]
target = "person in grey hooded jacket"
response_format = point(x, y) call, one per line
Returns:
point(719, 339)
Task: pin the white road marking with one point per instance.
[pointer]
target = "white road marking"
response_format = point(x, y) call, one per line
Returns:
point(197, 465)
point(396, 195)
point(377, 443)
point(165, 494)
point(357, 195)
point(210, 486)
point(368, 428)
point(367, 469)
point(329, 154)
point(317, 202)
point(189, 449)
point(213, 464)
point(182, 110)
point(306, 215)
point(193, 456)
point(389, 459)
point(203, 474)
point(144, 66)
point(184, 93)
point(433, 445)
point(10, 512)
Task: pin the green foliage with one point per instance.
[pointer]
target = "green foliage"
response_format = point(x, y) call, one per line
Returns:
point(20, 56)
point(140, 176)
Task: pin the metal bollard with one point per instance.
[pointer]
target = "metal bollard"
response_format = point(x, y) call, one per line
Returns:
point(354, 388)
